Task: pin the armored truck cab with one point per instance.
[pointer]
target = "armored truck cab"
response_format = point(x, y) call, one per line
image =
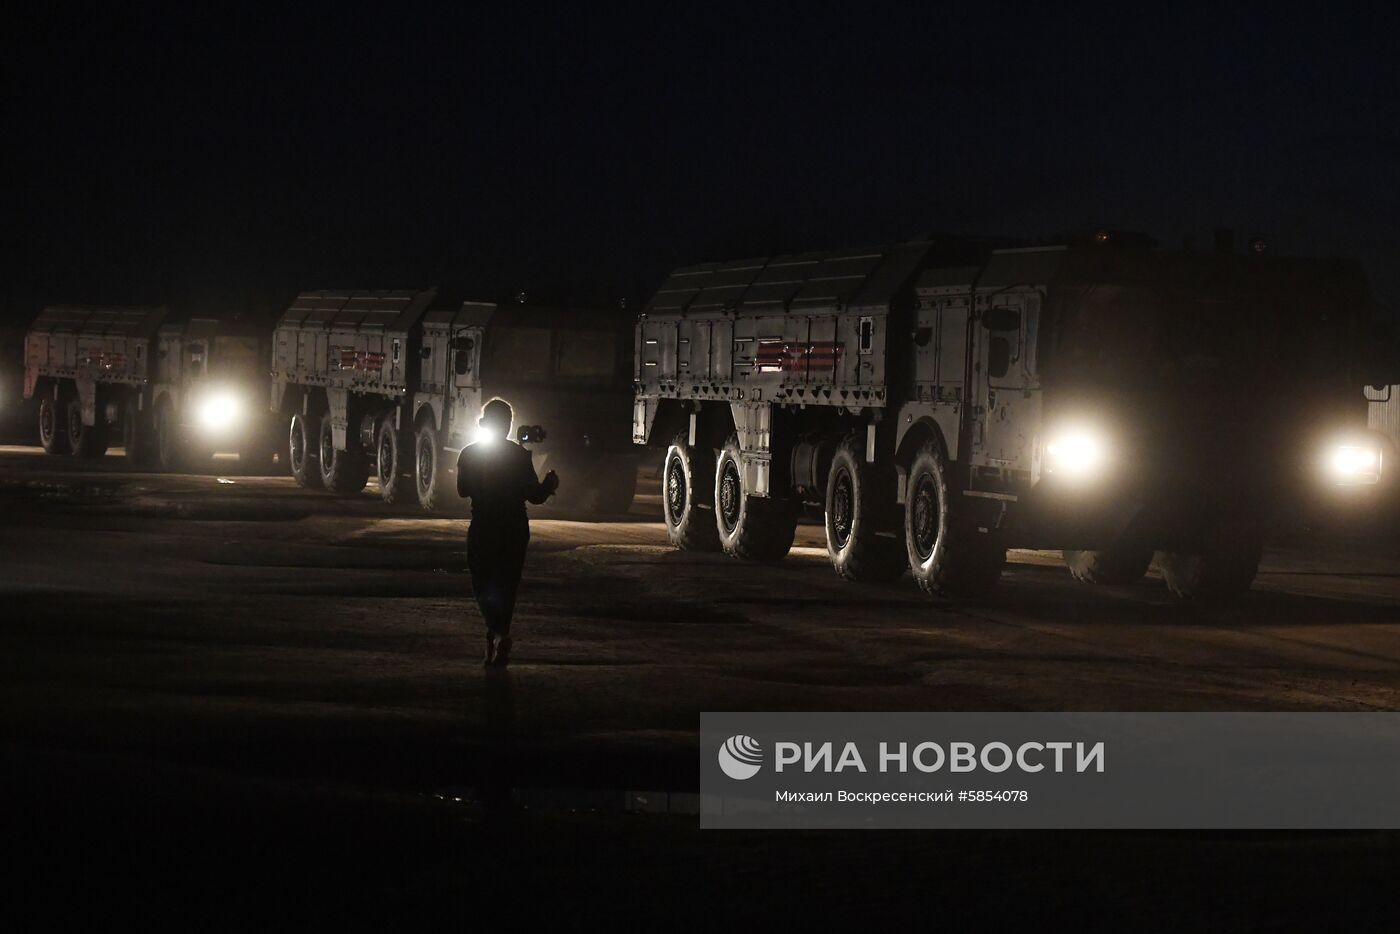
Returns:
point(943, 402)
point(171, 393)
point(386, 383)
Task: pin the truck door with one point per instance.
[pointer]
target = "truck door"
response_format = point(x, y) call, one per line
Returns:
point(1004, 392)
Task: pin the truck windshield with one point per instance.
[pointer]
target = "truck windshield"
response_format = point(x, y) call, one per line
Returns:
point(587, 356)
point(234, 358)
point(1220, 329)
point(517, 355)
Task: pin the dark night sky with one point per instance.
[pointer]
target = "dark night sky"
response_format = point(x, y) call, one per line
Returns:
point(226, 159)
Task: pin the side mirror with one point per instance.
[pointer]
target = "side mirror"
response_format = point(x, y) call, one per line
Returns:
point(426, 352)
point(923, 336)
point(463, 343)
point(1001, 318)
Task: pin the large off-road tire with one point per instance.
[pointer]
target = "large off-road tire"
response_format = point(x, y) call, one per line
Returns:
point(433, 476)
point(860, 517)
point(169, 446)
point(688, 496)
point(137, 435)
point(393, 465)
point(343, 473)
point(88, 441)
point(1223, 567)
point(53, 425)
point(947, 553)
point(1123, 563)
point(755, 528)
point(303, 447)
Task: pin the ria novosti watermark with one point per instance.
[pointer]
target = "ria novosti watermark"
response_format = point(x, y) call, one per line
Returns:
point(1050, 770)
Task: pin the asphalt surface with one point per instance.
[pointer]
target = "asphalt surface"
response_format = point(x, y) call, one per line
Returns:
point(223, 691)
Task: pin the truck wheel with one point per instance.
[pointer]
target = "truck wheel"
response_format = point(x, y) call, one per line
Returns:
point(755, 528)
point(859, 524)
point(1225, 566)
point(136, 435)
point(432, 474)
point(949, 555)
point(1121, 564)
point(302, 445)
point(169, 456)
point(687, 496)
point(88, 441)
point(343, 473)
point(396, 485)
point(53, 427)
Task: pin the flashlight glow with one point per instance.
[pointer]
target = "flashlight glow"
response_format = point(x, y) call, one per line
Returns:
point(485, 437)
point(1075, 453)
point(220, 411)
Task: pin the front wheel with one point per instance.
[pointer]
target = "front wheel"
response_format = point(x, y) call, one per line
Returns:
point(88, 441)
point(949, 555)
point(860, 522)
point(301, 451)
point(53, 433)
point(687, 496)
point(343, 473)
point(392, 465)
point(432, 474)
point(752, 527)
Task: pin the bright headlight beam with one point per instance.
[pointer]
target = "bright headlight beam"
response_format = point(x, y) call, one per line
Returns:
point(218, 412)
point(1353, 463)
point(1076, 453)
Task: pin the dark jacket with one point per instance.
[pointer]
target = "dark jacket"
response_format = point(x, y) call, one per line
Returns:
point(500, 478)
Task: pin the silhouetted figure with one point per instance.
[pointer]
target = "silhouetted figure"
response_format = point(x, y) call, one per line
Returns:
point(499, 476)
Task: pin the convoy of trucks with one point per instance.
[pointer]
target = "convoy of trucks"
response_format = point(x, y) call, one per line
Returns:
point(940, 402)
point(937, 402)
point(385, 384)
point(363, 384)
point(171, 394)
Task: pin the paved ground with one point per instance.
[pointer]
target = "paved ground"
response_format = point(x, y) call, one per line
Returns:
point(225, 681)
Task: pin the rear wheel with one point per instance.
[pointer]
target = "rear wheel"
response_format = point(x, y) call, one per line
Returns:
point(687, 496)
point(1121, 564)
point(88, 441)
point(301, 451)
point(53, 430)
point(860, 535)
point(343, 473)
point(755, 528)
point(432, 474)
point(947, 552)
point(392, 465)
point(1224, 567)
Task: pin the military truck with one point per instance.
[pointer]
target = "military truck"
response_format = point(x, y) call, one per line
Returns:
point(387, 384)
point(942, 401)
point(171, 393)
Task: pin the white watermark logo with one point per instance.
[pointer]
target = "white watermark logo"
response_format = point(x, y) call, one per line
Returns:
point(740, 757)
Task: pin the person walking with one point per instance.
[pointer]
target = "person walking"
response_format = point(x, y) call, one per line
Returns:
point(499, 477)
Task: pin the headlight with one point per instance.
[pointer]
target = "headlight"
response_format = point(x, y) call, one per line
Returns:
point(1075, 453)
point(1353, 464)
point(220, 411)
